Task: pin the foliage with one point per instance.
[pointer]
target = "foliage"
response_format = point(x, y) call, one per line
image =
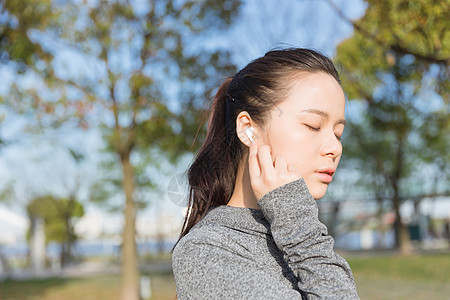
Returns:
point(157, 98)
point(59, 216)
point(396, 62)
point(416, 28)
point(18, 18)
point(405, 95)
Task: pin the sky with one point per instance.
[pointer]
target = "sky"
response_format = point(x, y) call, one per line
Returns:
point(42, 164)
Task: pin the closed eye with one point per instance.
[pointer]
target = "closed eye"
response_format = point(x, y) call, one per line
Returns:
point(339, 138)
point(312, 128)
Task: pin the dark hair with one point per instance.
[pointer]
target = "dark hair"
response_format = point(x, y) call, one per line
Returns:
point(257, 88)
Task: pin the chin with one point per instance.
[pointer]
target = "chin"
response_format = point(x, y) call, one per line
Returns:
point(318, 192)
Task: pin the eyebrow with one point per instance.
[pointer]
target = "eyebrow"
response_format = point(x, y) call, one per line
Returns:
point(322, 114)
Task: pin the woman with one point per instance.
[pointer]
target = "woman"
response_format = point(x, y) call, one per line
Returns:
point(272, 147)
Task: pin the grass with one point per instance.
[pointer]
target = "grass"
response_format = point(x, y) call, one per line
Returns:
point(381, 277)
point(89, 288)
point(394, 277)
point(104, 287)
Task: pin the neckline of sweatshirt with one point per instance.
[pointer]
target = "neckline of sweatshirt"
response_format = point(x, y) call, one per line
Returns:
point(245, 219)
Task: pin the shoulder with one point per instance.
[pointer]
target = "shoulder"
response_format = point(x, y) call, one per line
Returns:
point(199, 238)
point(209, 243)
point(210, 232)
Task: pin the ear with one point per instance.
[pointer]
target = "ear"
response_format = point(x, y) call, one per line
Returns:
point(245, 125)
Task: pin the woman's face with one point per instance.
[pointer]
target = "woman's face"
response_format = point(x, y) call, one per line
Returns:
point(306, 129)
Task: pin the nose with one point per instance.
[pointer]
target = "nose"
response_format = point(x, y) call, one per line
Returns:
point(331, 146)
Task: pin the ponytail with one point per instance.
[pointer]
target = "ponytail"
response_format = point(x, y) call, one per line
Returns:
point(212, 174)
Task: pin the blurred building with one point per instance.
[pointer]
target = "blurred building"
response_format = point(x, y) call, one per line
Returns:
point(363, 225)
point(13, 227)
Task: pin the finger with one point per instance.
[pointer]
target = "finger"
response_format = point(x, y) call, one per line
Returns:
point(280, 163)
point(253, 164)
point(265, 160)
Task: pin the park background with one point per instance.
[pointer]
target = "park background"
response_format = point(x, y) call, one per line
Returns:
point(103, 105)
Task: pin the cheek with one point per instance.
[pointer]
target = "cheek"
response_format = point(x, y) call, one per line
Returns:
point(296, 147)
point(338, 159)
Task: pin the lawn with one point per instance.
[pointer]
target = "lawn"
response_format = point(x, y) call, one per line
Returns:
point(392, 277)
point(90, 288)
point(383, 277)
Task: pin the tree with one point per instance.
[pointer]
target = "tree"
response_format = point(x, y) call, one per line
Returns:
point(59, 215)
point(418, 28)
point(146, 70)
point(399, 53)
point(153, 39)
point(36, 197)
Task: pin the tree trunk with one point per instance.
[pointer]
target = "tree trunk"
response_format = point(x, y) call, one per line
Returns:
point(66, 251)
point(62, 255)
point(69, 228)
point(381, 243)
point(402, 239)
point(130, 274)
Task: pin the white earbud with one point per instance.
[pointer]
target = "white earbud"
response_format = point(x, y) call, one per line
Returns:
point(249, 133)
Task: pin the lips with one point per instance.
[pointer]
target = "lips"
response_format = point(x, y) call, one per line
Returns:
point(325, 174)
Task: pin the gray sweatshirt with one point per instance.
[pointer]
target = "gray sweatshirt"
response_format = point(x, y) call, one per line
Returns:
point(280, 251)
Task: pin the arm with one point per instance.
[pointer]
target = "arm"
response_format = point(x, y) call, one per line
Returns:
point(205, 270)
point(293, 216)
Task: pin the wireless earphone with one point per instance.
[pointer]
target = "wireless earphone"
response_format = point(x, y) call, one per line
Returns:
point(249, 133)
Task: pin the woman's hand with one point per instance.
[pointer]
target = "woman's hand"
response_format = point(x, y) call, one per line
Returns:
point(265, 175)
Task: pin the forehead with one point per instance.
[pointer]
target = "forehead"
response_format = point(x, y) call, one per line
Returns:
point(318, 91)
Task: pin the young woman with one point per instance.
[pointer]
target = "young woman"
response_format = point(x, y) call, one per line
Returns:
point(273, 144)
